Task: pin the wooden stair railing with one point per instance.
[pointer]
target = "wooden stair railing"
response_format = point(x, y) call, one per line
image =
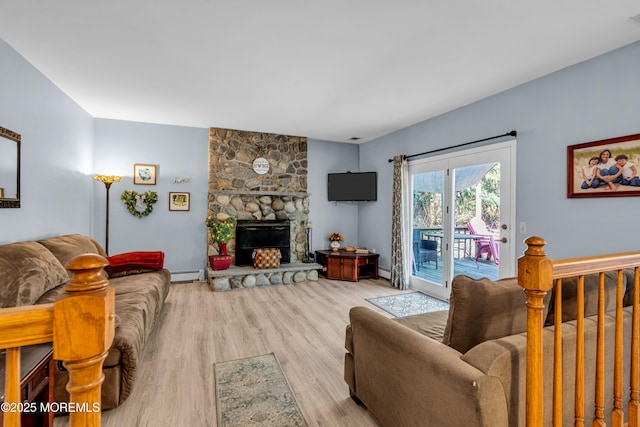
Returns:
point(536, 274)
point(80, 325)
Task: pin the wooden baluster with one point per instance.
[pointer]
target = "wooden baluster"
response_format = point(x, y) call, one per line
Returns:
point(579, 379)
point(535, 276)
point(634, 406)
point(83, 332)
point(557, 356)
point(12, 386)
point(599, 383)
point(617, 414)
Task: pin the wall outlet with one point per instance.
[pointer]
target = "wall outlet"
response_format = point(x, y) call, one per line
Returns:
point(522, 229)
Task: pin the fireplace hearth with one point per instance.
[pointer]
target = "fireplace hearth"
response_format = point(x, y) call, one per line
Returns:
point(257, 234)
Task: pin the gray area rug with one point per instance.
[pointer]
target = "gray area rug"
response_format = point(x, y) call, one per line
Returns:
point(255, 392)
point(408, 304)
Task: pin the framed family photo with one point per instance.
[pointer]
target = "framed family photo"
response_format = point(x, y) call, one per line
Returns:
point(179, 201)
point(606, 168)
point(144, 174)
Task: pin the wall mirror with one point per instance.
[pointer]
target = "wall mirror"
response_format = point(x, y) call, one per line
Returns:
point(9, 168)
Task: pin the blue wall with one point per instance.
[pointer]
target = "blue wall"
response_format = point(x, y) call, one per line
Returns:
point(329, 217)
point(57, 154)
point(593, 100)
point(177, 152)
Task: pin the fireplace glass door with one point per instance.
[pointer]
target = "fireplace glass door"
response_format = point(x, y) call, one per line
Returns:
point(252, 235)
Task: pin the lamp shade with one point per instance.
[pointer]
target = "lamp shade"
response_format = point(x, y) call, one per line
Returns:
point(107, 179)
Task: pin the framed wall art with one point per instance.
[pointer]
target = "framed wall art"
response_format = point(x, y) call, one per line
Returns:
point(144, 174)
point(179, 201)
point(606, 168)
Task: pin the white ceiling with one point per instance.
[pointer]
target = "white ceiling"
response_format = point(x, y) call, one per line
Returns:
point(330, 69)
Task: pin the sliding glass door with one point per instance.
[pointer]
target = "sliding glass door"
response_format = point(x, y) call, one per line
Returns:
point(461, 217)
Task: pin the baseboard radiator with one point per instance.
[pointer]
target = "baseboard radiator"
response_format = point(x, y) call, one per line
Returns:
point(385, 274)
point(187, 275)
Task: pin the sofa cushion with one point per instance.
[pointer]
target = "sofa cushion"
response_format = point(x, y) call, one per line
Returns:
point(67, 247)
point(431, 324)
point(130, 272)
point(570, 296)
point(27, 270)
point(482, 309)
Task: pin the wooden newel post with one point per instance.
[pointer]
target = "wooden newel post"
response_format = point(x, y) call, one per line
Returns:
point(535, 275)
point(84, 325)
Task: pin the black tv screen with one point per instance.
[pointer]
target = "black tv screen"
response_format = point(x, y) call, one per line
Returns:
point(352, 187)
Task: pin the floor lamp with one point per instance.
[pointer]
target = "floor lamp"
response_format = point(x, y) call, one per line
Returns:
point(107, 180)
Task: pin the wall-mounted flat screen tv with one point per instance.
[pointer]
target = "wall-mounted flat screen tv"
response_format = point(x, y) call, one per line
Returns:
point(352, 187)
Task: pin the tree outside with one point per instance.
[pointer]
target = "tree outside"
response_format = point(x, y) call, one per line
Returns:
point(427, 206)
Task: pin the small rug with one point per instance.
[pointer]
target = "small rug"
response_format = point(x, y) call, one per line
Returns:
point(408, 304)
point(255, 392)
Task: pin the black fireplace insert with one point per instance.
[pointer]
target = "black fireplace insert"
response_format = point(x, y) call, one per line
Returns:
point(256, 234)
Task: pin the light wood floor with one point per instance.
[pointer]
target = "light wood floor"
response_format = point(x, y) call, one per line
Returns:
point(303, 324)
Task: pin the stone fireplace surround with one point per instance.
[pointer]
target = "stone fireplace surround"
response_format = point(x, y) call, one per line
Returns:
point(280, 194)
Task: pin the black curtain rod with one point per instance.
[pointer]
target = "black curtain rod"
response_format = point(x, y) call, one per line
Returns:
point(512, 133)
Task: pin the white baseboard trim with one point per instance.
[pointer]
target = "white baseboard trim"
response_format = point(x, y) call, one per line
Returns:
point(187, 276)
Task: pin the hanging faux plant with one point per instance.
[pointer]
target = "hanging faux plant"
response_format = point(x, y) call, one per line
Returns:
point(139, 204)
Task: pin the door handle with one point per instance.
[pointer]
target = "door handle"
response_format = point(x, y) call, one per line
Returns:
point(503, 240)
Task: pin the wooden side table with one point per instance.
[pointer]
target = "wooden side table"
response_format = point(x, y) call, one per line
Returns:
point(343, 265)
point(36, 383)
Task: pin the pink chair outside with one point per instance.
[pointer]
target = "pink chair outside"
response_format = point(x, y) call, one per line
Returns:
point(485, 244)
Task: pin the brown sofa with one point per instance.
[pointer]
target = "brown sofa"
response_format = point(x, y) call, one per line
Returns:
point(466, 366)
point(33, 273)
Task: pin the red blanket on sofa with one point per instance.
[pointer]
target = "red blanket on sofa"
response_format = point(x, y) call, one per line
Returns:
point(141, 260)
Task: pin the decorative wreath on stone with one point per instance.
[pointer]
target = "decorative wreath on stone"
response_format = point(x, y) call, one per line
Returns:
point(139, 204)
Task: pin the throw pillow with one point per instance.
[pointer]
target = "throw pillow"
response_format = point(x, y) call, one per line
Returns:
point(483, 309)
point(134, 263)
